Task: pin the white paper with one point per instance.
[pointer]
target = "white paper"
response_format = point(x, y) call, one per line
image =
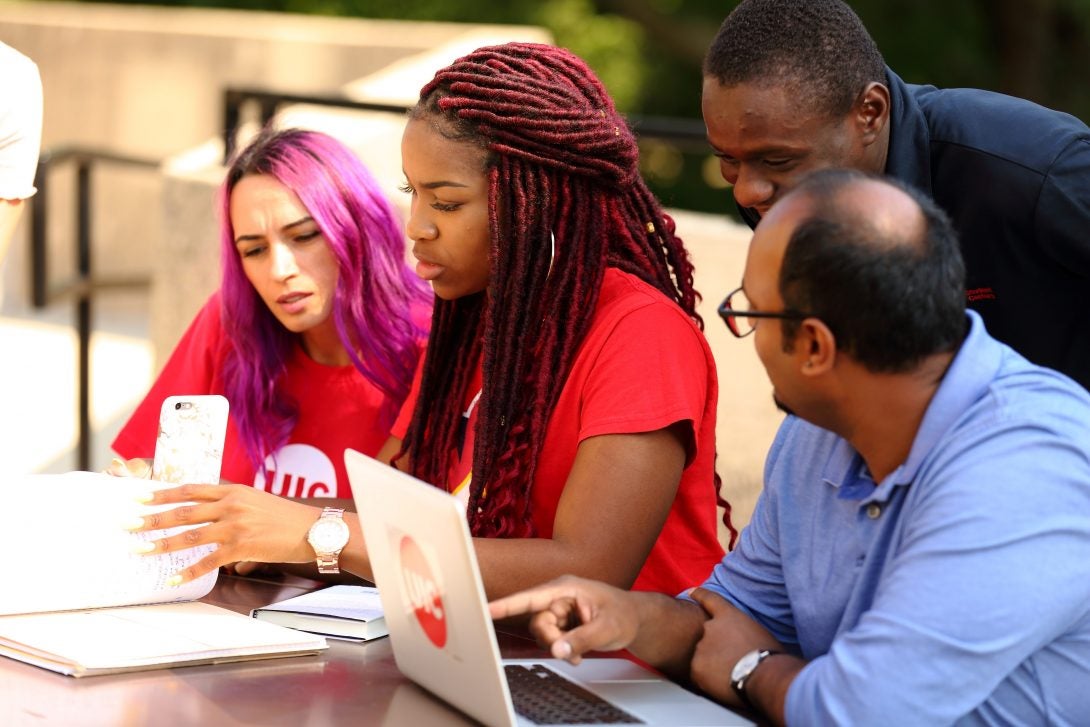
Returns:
point(63, 546)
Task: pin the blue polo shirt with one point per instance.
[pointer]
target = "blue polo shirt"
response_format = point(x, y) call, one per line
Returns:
point(957, 589)
point(1014, 177)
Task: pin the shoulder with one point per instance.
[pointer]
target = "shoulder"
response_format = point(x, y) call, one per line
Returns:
point(1020, 450)
point(624, 296)
point(1034, 400)
point(1003, 127)
point(18, 69)
point(637, 323)
point(210, 317)
point(800, 450)
point(205, 335)
point(21, 102)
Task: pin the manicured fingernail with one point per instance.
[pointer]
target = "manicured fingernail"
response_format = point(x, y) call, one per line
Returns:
point(144, 497)
point(116, 463)
point(144, 546)
point(561, 649)
point(133, 524)
point(174, 580)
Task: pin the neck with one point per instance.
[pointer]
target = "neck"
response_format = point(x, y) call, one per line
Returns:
point(324, 346)
point(884, 412)
point(880, 151)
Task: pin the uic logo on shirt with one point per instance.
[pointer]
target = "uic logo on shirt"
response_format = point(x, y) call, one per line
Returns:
point(423, 593)
point(298, 470)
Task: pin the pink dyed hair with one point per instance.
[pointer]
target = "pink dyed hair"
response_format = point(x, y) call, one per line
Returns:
point(373, 303)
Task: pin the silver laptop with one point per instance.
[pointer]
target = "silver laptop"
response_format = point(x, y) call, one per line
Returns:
point(426, 570)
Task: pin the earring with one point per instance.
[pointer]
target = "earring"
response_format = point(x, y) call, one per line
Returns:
point(552, 253)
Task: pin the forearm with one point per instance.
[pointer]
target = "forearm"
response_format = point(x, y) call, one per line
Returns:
point(354, 558)
point(345, 503)
point(10, 211)
point(767, 687)
point(509, 565)
point(669, 631)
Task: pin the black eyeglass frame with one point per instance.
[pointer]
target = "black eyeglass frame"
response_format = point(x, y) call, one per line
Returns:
point(729, 314)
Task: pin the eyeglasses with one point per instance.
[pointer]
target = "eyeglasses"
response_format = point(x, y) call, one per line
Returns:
point(741, 319)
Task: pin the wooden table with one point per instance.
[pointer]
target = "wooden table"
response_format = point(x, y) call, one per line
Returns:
point(349, 684)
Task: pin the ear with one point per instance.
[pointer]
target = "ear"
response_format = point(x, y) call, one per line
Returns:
point(871, 112)
point(818, 343)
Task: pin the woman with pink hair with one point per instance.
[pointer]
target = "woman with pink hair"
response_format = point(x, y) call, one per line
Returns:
point(316, 329)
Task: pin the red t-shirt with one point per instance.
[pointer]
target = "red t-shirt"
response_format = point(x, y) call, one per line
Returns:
point(338, 408)
point(642, 366)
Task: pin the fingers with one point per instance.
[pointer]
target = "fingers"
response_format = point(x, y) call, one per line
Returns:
point(191, 538)
point(712, 603)
point(599, 634)
point(531, 600)
point(175, 517)
point(191, 493)
point(550, 625)
point(138, 468)
point(202, 567)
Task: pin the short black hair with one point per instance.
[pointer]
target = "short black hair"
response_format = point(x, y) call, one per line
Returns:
point(890, 299)
point(819, 47)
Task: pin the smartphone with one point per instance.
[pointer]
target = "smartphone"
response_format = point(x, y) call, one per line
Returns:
point(189, 446)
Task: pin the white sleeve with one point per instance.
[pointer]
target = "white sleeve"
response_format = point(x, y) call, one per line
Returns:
point(20, 123)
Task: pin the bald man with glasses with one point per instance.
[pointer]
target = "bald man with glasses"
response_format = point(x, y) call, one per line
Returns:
point(920, 553)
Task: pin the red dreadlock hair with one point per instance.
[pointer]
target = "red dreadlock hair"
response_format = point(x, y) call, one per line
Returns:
point(562, 165)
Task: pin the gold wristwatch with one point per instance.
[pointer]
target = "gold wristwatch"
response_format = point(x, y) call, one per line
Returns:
point(328, 536)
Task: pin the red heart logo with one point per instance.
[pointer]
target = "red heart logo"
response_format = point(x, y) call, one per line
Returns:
point(424, 596)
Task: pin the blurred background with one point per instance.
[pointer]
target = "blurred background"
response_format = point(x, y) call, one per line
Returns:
point(143, 101)
point(648, 53)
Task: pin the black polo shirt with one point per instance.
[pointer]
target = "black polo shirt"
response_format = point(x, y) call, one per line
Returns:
point(1015, 179)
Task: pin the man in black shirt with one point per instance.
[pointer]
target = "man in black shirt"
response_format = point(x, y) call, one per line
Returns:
point(795, 85)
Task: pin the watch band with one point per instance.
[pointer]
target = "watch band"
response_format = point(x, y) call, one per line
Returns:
point(329, 562)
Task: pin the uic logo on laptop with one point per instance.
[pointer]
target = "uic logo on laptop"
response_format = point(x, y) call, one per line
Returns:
point(423, 593)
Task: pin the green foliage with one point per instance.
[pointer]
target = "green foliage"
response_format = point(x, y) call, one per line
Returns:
point(610, 44)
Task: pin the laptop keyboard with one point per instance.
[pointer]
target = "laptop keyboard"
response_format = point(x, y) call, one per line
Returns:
point(543, 696)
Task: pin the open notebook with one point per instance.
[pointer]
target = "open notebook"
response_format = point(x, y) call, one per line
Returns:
point(426, 570)
point(76, 598)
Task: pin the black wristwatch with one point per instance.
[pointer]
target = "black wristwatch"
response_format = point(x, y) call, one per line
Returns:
point(745, 668)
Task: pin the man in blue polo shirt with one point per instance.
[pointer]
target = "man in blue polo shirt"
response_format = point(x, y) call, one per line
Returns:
point(920, 553)
point(794, 85)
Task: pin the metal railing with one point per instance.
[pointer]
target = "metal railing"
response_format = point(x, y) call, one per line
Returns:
point(686, 132)
point(269, 103)
point(81, 286)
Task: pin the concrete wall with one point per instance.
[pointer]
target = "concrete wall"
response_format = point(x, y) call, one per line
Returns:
point(148, 82)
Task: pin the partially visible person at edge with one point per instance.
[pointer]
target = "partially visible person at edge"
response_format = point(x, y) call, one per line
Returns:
point(317, 326)
point(920, 553)
point(566, 369)
point(795, 85)
point(20, 137)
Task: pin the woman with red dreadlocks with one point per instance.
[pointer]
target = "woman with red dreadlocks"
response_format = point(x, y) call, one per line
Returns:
point(567, 395)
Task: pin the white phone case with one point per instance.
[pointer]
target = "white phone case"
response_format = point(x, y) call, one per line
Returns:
point(189, 447)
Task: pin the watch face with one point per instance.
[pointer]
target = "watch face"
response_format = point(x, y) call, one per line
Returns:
point(745, 665)
point(328, 534)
